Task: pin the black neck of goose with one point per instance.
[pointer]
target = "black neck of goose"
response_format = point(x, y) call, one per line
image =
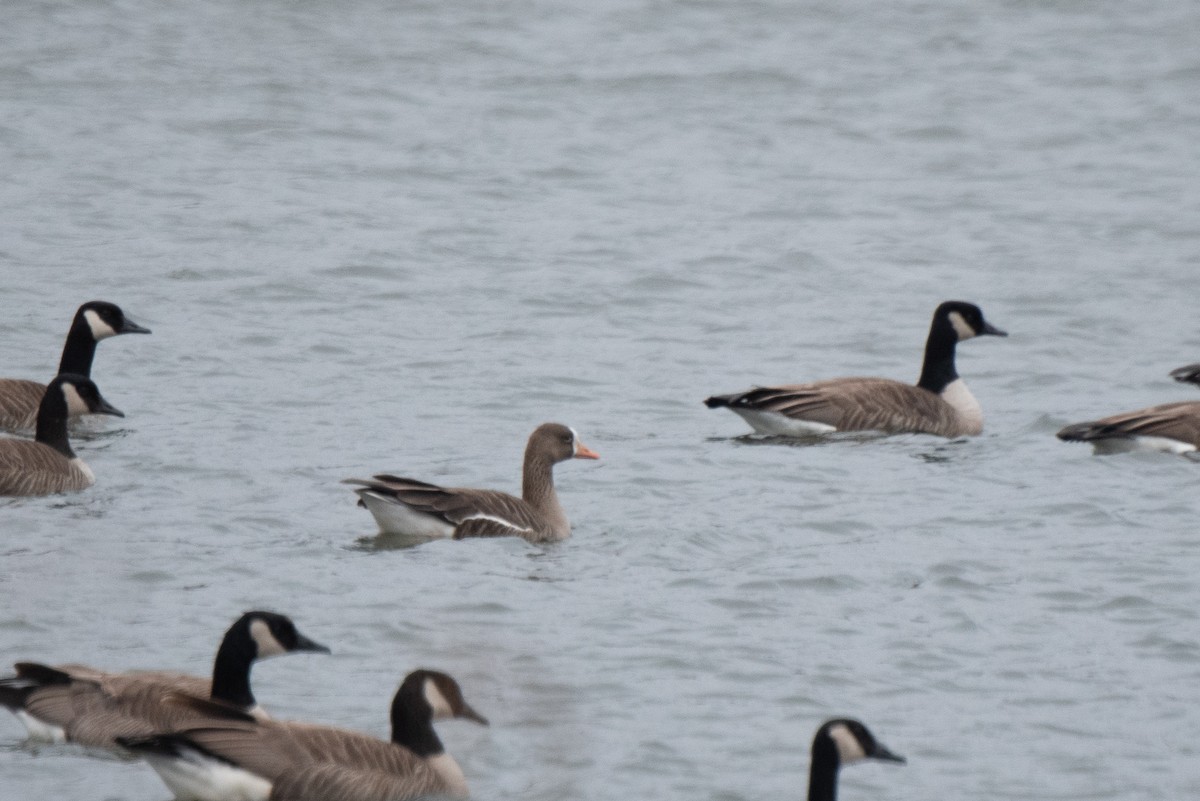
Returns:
point(938, 371)
point(52, 422)
point(80, 349)
point(412, 726)
point(231, 670)
point(823, 774)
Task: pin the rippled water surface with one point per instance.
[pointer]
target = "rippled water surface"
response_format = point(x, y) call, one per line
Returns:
point(377, 236)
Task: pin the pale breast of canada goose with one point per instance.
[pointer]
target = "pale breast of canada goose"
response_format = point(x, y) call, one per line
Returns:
point(939, 403)
point(233, 756)
point(93, 321)
point(91, 707)
point(47, 464)
point(411, 508)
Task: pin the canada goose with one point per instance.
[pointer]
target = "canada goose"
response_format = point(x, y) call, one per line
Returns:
point(939, 403)
point(232, 757)
point(80, 704)
point(413, 508)
point(94, 321)
point(838, 742)
point(1168, 427)
point(47, 464)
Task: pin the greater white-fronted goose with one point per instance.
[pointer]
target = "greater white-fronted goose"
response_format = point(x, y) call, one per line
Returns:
point(232, 756)
point(47, 464)
point(94, 321)
point(1168, 427)
point(841, 741)
point(413, 508)
point(80, 704)
point(939, 403)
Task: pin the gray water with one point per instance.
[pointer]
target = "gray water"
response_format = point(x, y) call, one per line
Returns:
point(377, 236)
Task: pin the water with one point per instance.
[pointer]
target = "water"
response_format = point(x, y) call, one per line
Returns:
point(396, 237)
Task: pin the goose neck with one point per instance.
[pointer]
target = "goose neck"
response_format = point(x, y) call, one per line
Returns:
point(231, 671)
point(79, 349)
point(52, 423)
point(412, 727)
point(823, 773)
point(938, 370)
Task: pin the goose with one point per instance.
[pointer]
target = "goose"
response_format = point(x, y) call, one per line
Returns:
point(413, 508)
point(1167, 428)
point(80, 704)
point(838, 742)
point(47, 464)
point(939, 403)
point(232, 757)
point(94, 321)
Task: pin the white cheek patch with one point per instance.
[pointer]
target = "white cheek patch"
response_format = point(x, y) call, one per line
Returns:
point(76, 405)
point(100, 329)
point(265, 640)
point(961, 327)
point(848, 746)
point(441, 707)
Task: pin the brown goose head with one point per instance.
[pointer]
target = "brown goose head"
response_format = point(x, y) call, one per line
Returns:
point(554, 442)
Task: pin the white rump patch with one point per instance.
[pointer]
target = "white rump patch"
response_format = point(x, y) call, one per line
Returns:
point(961, 327)
point(969, 411)
point(260, 632)
point(76, 405)
point(396, 517)
point(778, 424)
point(1141, 445)
point(199, 777)
point(848, 746)
point(41, 731)
point(100, 329)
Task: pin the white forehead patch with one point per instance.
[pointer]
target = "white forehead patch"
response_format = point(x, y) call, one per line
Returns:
point(848, 746)
point(100, 329)
point(441, 707)
point(961, 327)
point(265, 640)
point(75, 403)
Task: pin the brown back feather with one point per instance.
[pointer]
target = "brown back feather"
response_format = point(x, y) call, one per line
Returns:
point(19, 402)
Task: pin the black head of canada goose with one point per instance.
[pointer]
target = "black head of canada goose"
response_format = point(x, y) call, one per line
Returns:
point(79, 704)
point(412, 508)
point(47, 464)
point(838, 742)
point(230, 755)
point(939, 403)
point(93, 321)
point(1168, 427)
